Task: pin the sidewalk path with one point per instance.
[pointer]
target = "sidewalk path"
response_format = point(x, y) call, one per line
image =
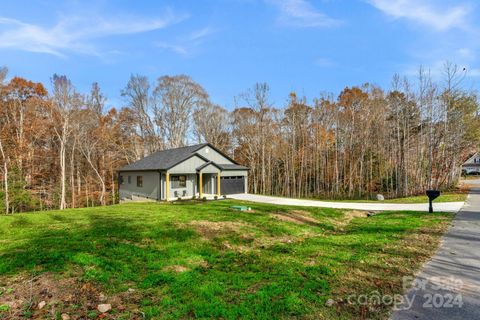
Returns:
point(456, 266)
point(439, 207)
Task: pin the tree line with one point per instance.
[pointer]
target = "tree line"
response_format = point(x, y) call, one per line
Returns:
point(62, 148)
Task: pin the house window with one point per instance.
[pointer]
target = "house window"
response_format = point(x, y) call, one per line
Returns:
point(178, 181)
point(139, 181)
point(120, 179)
point(129, 179)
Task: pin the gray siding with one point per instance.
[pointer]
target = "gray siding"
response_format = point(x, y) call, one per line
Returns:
point(190, 189)
point(187, 166)
point(234, 173)
point(210, 169)
point(213, 155)
point(150, 188)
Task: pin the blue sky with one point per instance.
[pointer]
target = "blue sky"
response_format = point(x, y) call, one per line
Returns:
point(227, 46)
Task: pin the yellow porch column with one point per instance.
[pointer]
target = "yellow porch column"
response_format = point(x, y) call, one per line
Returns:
point(218, 184)
point(167, 186)
point(200, 185)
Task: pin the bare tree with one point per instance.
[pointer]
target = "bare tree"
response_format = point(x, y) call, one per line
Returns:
point(96, 100)
point(212, 125)
point(5, 175)
point(177, 96)
point(89, 146)
point(65, 99)
point(258, 99)
point(138, 97)
point(3, 75)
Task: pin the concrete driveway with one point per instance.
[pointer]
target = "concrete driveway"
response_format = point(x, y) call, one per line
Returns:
point(448, 287)
point(441, 206)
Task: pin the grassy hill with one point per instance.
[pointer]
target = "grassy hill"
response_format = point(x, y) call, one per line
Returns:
point(205, 260)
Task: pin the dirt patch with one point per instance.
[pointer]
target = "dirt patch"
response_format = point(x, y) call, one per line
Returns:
point(422, 241)
point(296, 216)
point(262, 243)
point(211, 229)
point(46, 296)
point(176, 268)
point(348, 217)
point(250, 240)
point(266, 242)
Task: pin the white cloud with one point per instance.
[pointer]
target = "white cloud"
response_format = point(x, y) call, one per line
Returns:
point(75, 33)
point(201, 33)
point(300, 13)
point(425, 12)
point(186, 45)
point(454, 38)
point(173, 47)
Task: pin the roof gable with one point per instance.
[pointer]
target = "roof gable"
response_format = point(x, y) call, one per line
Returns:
point(473, 159)
point(220, 152)
point(213, 155)
point(209, 163)
point(188, 165)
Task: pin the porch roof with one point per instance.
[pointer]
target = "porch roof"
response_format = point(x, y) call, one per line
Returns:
point(206, 164)
point(227, 167)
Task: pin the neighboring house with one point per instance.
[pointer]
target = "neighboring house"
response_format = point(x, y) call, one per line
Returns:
point(198, 170)
point(472, 165)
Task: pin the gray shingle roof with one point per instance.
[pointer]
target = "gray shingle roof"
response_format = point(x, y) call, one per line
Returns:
point(163, 160)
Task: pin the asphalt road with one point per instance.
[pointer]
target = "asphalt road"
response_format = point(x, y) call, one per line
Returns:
point(448, 287)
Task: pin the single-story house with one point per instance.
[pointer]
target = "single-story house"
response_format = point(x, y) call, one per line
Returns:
point(472, 165)
point(199, 170)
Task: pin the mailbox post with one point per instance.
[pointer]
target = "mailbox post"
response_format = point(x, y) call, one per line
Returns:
point(432, 195)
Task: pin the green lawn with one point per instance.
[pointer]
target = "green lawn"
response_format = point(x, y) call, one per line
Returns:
point(204, 260)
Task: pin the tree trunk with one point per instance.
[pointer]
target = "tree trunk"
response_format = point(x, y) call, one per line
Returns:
point(5, 178)
point(62, 175)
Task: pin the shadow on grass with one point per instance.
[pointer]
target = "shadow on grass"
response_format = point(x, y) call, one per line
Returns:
point(103, 246)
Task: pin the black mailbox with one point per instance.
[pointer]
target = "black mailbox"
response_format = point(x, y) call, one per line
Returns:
point(432, 195)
